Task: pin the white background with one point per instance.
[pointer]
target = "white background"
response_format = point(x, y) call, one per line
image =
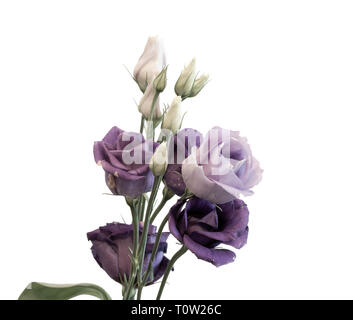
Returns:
point(282, 74)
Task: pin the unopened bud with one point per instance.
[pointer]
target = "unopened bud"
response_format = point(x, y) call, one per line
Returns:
point(198, 85)
point(146, 103)
point(160, 82)
point(172, 119)
point(159, 160)
point(150, 63)
point(186, 80)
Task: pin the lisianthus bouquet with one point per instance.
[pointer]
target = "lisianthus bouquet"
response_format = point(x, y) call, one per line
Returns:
point(202, 175)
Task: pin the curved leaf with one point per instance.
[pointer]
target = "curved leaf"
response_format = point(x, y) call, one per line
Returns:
point(48, 291)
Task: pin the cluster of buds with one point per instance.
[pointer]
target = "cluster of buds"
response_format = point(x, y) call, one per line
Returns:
point(188, 85)
point(150, 74)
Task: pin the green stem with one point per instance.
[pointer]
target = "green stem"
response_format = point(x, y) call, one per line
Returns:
point(142, 125)
point(158, 209)
point(136, 235)
point(155, 97)
point(142, 208)
point(133, 267)
point(171, 263)
point(146, 224)
point(150, 125)
point(167, 195)
point(149, 269)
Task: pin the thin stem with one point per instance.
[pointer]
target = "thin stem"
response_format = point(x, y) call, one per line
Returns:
point(146, 224)
point(155, 97)
point(142, 208)
point(158, 209)
point(133, 267)
point(142, 125)
point(136, 234)
point(150, 125)
point(149, 269)
point(167, 195)
point(171, 263)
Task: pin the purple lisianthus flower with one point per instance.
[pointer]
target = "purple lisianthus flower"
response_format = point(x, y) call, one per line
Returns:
point(222, 167)
point(111, 247)
point(201, 226)
point(179, 149)
point(125, 158)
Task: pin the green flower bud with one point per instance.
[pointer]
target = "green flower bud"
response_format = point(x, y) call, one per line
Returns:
point(198, 85)
point(159, 160)
point(186, 80)
point(160, 82)
point(173, 117)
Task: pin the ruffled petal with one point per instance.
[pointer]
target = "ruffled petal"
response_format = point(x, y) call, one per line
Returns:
point(112, 136)
point(240, 240)
point(199, 207)
point(107, 258)
point(136, 185)
point(173, 220)
point(160, 269)
point(203, 187)
point(217, 257)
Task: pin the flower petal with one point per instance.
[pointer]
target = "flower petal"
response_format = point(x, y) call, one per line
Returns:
point(202, 186)
point(107, 258)
point(112, 136)
point(173, 220)
point(217, 257)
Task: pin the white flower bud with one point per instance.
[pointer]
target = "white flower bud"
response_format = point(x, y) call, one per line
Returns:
point(186, 80)
point(159, 160)
point(145, 105)
point(199, 83)
point(150, 63)
point(173, 117)
point(160, 82)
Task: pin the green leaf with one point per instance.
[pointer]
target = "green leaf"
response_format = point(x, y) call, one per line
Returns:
point(47, 291)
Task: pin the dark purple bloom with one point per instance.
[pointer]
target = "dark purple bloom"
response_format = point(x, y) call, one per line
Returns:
point(111, 249)
point(201, 226)
point(125, 157)
point(179, 149)
point(222, 167)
